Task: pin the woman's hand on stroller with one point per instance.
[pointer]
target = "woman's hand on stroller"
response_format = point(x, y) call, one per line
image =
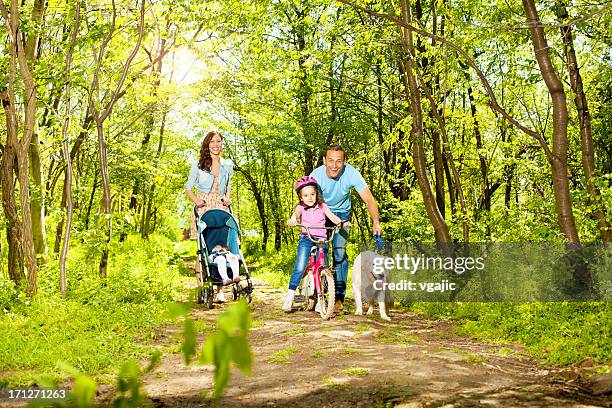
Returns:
point(226, 201)
point(199, 202)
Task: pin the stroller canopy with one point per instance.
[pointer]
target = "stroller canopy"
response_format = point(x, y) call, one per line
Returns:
point(221, 229)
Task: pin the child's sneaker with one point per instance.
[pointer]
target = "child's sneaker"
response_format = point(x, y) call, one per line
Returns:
point(237, 279)
point(287, 306)
point(318, 307)
point(226, 281)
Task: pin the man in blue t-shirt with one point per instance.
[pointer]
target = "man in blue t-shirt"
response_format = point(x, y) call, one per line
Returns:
point(336, 178)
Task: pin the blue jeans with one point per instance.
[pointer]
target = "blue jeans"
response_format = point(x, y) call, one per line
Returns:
point(301, 260)
point(340, 257)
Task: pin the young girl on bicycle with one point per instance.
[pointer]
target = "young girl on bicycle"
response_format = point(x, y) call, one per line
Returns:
point(310, 212)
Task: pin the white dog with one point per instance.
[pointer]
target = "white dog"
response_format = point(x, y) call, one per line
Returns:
point(364, 275)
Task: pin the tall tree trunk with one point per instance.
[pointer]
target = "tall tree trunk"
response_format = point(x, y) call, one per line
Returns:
point(37, 201)
point(304, 91)
point(270, 176)
point(14, 228)
point(87, 122)
point(149, 126)
point(438, 172)
point(441, 231)
point(16, 150)
point(452, 169)
point(565, 215)
point(68, 179)
point(583, 281)
point(259, 201)
point(485, 199)
point(599, 213)
point(106, 197)
point(333, 108)
point(101, 116)
point(147, 229)
point(424, 64)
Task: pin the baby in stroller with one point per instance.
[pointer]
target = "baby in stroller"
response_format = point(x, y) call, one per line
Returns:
point(222, 256)
point(219, 249)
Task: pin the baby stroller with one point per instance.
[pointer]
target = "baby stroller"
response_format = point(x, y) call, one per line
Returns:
point(219, 227)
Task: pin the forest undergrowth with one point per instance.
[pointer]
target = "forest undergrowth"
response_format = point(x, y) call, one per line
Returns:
point(104, 323)
point(100, 325)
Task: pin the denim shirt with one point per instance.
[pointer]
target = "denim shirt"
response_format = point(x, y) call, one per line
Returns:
point(203, 180)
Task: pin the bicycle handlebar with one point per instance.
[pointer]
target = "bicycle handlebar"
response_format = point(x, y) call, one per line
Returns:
point(333, 229)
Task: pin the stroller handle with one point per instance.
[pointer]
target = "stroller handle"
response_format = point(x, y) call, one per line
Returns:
point(195, 209)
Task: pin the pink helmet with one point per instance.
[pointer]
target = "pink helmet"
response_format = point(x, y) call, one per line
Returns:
point(305, 181)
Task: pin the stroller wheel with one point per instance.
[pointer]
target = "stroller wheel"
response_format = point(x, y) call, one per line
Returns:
point(205, 296)
point(247, 292)
point(209, 297)
point(200, 298)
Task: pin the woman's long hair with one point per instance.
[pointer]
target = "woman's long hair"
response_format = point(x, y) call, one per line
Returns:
point(205, 162)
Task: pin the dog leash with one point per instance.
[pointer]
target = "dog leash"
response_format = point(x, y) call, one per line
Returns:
point(380, 244)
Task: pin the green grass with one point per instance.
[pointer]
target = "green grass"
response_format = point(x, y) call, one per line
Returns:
point(331, 383)
point(93, 339)
point(558, 333)
point(282, 356)
point(272, 266)
point(257, 323)
point(395, 335)
point(505, 351)
point(358, 371)
point(295, 331)
point(362, 327)
point(349, 351)
point(101, 325)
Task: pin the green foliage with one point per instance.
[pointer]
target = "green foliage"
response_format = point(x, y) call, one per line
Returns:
point(559, 333)
point(129, 386)
point(189, 341)
point(406, 220)
point(112, 317)
point(229, 344)
point(274, 267)
point(84, 391)
point(226, 345)
point(10, 297)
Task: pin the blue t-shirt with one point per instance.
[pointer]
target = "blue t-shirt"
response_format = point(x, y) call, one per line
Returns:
point(337, 192)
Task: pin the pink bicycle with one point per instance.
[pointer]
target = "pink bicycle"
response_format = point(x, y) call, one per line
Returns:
point(317, 288)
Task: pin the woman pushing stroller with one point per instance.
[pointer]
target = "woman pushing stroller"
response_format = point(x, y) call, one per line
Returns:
point(211, 176)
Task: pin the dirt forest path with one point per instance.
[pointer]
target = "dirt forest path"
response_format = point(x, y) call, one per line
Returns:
point(358, 361)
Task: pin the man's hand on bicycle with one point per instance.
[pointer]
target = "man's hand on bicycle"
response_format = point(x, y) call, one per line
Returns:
point(344, 224)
